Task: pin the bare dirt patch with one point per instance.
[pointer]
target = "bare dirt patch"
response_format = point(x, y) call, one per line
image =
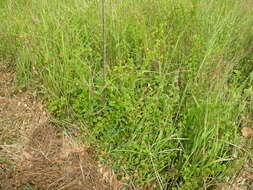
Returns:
point(35, 154)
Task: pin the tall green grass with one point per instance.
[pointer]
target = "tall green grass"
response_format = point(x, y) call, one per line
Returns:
point(178, 85)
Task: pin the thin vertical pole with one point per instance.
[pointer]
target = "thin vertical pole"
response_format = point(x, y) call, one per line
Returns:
point(104, 46)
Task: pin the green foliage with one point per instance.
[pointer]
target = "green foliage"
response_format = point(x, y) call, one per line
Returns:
point(179, 79)
point(29, 187)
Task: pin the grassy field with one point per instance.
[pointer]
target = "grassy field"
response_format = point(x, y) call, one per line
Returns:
point(177, 89)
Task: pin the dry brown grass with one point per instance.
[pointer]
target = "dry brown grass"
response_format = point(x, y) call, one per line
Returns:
point(33, 151)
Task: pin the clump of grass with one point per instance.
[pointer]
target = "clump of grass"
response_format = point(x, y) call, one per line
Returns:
point(178, 82)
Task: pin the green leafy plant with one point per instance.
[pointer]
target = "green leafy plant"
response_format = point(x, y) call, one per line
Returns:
point(179, 80)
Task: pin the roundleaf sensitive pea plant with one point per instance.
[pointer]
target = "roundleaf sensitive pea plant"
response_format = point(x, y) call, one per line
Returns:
point(178, 80)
